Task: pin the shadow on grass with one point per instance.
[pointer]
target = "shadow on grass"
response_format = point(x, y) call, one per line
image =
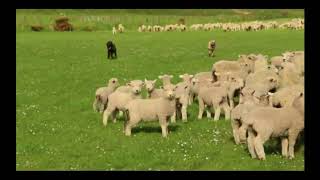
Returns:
point(154, 129)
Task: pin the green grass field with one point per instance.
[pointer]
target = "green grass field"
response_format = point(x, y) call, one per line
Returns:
point(58, 73)
point(104, 19)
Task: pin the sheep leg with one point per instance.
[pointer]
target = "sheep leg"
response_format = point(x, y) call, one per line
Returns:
point(258, 145)
point(230, 96)
point(128, 127)
point(95, 105)
point(201, 108)
point(190, 99)
point(284, 146)
point(173, 117)
point(101, 107)
point(217, 112)
point(113, 115)
point(106, 114)
point(235, 130)
point(208, 111)
point(292, 140)
point(184, 113)
point(226, 109)
point(164, 126)
point(250, 141)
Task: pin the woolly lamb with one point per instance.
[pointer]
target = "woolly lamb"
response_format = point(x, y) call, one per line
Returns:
point(267, 122)
point(182, 93)
point(166, 79)
point(101, 98)
point(152, 109)
point(215, 97)
point(284, 97)
point(114, 30)
point(243, 108)
point(152, 92)
point(118, 99)
point(221, 68)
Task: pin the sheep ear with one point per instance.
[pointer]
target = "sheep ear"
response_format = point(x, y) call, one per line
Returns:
point(160, 77)
point(145, 80)
point(171, 76)
point(191, 76)
point(180, 76)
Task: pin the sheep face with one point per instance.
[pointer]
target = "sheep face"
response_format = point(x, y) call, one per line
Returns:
point(113, 82)
point(169, 91)
point(136, 86)
point(149, 84)
point(186, 77)
point(236, 83)
point(246, 95)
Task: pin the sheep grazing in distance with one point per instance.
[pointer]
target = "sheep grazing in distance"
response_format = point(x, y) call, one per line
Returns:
point(119, 98)
point(268, 122)
point(120, 28)
point(114, 30)
point(211, 47)
point(152, 92)
point(166, 79)
point(152, 109)
point(101, 97)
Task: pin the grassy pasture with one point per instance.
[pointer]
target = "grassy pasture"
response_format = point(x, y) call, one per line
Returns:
point(57, 74)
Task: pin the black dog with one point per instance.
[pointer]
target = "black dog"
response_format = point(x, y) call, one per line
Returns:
point(112, 50)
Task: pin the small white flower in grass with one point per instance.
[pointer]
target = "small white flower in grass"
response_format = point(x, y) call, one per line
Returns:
point(173, 150)
point(207, 158)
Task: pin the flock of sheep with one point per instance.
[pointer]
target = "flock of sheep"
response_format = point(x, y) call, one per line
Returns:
point(295, 24)
point(270, 92)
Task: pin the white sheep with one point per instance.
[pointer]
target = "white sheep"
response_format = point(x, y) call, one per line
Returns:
point(101, 95)
point(114, 30)
point(120, 28)
point(221, 69)
point(118, 99)
point(268, 122)
point(182, 94)
point(166, 79)
point(152, 92)
point(152, 109)
point(284, 97)
point(187, 79)
point(212, 96)
point(243, 108)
